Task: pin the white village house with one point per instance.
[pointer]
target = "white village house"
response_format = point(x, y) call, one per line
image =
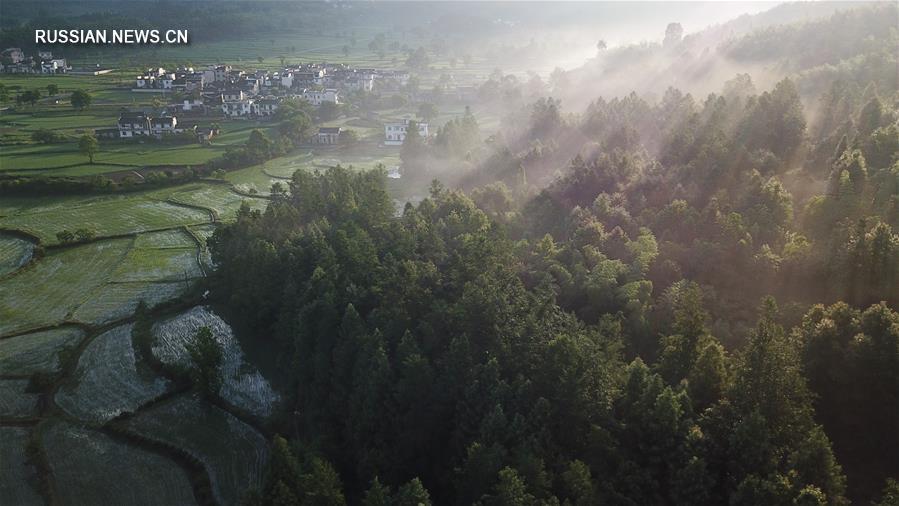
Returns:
point(319, 97)
point(395, 133)
point(135, 124)
point(328, 135)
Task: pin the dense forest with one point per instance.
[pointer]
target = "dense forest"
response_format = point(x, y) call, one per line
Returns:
point(676, 300)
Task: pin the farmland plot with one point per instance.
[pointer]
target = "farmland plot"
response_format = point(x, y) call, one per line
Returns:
point(15, 402)
point(17, 478)
point(14, 253)
point(108, 216)
point(159, 268)
point(242, 385)
point(108, 381)
point(253, 180)
point(174, 238)
point(233, 453)
point(53, 288)
point(218, 197)
point(114, 301)
point(161, 264)
point(285, 166)
point(37, 352)
point(89, 467)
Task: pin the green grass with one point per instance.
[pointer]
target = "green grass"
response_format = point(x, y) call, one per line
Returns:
point(114, 301)
point(161, 264)
point(37, 352)
point(55, 287)
point(94, 283)
point(110, 215)
point(107, 381)
point(217, 197)
point(89, 467)
point(19, 477)
point(175, 238)
point(66, 160)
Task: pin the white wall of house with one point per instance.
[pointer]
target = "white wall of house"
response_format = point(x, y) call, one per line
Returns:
point(395, 133)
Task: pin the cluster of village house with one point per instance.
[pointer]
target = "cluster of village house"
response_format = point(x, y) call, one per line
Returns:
point(14, 61)
point(256, 94)
point(238, 94)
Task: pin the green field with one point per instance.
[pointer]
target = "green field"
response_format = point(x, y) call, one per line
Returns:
point(50, 291)
point(107, 381)
point(219, 199)
point(201, 429)
point(89, 467)
point(94, 283)
point(37, 352)
point(108, 216)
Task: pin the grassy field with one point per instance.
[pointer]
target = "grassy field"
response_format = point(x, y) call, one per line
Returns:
point(18, 484)
point(37, 352)
point(234, 453)
point(94, 283)
point(119, 300)
point(107, 381)
point(108, 216)
point(216, 197)
point(50, 291)
point(91, 468)
point(242, 385)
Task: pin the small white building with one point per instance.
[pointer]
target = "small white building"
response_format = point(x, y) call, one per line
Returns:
point(136, 124)
point(56, 66)
point(319, 97)
point(361, 83)
point(265, 106)
point(132, 124)
point(145, 81)
point(192, 104)
point(395, 133)
point(238, 108)
point(164, 126)
point(233, 95)
point(328, 135)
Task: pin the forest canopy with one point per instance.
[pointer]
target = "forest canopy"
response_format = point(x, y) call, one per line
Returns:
point(657, 300)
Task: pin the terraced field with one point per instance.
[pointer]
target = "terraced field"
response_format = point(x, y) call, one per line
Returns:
point(14, 253)
point(108, 216)
point(159, 264)
point(233, 453)
point(219, 198)
point(18, 479)
point(115, 300)
point(243, 385)
point(89, 467)
point(15, 402)
point(107, 381)
point(52, 289)
point(37, 352)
